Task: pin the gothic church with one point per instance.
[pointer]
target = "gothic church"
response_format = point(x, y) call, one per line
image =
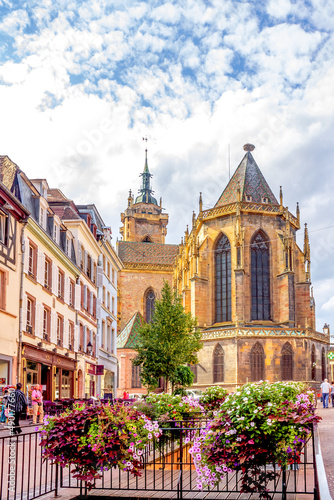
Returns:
point(239, 270)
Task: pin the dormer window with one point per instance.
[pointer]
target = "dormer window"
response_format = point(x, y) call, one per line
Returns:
point(55, 233)
point(248, 197)
point(42, 217)
point(265, 199)
point(68, 247)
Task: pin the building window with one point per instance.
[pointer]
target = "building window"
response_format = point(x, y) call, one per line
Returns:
point(61, 282)
point(113, 275)
point(113, 305)
point(71, 336)
point(4, 223)
point(55, 233)
point(47, 273)
point(103, 339)
point(108, 270)
point(72, 293)
point(257, 362)
point(30, 315)
point(82, 257)
point(60, 330)
point(68, 246)
point(2, 290)
point(193, 368)
point(136, 382)
point(89, 267)
point(260, 277)
point(104, 296)
point(223, 280)
point(149, 305)
point(218, 364)
point(287, 362)
point(313, 364)
point(323, 364)
point(42, 217)
point(32, 260)
point(46, 323)
point(108, 300)
point(81, 346)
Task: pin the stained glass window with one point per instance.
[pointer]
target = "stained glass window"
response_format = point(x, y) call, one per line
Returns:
point(223, 280)
point(257, 362)
point(218, 364)
point(150, 305)
point(287, 362)
point(313, 364)
point(260, 277)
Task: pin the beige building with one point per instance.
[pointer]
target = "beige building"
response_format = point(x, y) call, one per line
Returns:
point(87, 251)
point(12, 220)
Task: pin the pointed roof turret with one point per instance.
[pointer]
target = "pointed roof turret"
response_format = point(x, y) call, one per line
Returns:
point(249, 178)
point(146, 191)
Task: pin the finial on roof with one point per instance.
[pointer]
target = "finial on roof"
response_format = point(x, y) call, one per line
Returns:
point(200, 203)
point(280, 196)
point(298, 212)
point(249, 147)
point(194, 219)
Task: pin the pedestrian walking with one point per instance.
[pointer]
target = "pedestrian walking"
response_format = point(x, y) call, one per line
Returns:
point(4, 405)
point(37, 404)
point(332, 393)
point(325, 390)
point(19, 407)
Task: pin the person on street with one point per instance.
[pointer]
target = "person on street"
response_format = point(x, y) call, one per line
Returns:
point(325, 391)
point(19, 407)
point(332, 393)
point(37, 404)
point(4, 404)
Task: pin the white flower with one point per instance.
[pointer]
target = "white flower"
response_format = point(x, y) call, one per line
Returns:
point(252, 424)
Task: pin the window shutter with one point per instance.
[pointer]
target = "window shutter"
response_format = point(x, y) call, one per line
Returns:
point(99, 279)
point(53, 336)
point(92, 269)
point(55, 280)
point(76, 338)
point(98, 308)
point(84, 347)
point(85, 296)
point(39, 320)
point(79, 253)
point(40, 267)
point(85, 262)
point(77, 301)
point(67, 290)
point(65, 334)
point(24, 313)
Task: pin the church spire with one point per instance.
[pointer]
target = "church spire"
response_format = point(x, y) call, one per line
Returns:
point(145, 190)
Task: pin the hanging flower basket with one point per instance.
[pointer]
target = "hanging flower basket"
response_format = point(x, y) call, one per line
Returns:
point(98, 437)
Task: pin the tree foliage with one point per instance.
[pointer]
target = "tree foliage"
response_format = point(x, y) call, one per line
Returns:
point(168, 342)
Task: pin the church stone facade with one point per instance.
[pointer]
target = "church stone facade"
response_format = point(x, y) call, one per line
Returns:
point(239, 270)
point(241, 273)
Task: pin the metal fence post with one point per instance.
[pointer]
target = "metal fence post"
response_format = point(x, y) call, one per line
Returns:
point(56, 481)
point(284, 483)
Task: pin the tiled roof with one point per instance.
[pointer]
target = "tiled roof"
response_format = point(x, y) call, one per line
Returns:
point(8, 170)
point(251, 181)
point(56, 195)
point(128, 337)
point(145, 252)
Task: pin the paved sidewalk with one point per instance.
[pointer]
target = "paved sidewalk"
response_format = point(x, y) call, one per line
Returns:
point(326, 433)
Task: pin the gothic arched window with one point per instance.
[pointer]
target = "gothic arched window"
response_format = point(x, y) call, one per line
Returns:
point(323, 364)
point(313, 363)
point(146, 239)
point(223, 280)
point(149, 305)
point(287, 362)
point(260, 277)
point(136, 382)
point(193, 368)
point(257, 362)
point(218, 364)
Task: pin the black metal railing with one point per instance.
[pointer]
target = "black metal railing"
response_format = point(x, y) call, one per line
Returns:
point(167, 467)
point(24, 474)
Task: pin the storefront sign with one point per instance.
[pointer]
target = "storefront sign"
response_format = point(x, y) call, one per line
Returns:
point(91, 369)
point(99, 369)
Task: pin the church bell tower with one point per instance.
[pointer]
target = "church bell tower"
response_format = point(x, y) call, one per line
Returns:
point(143, 220)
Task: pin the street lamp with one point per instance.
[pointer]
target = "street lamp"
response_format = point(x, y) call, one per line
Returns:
point(326, 329)
point(89, 349)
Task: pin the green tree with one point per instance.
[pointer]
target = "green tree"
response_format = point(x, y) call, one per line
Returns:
point(168, 342)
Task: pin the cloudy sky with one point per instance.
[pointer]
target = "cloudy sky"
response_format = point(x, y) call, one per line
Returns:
point(82, 82)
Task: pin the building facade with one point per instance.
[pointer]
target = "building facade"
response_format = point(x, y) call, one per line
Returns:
point(147, 262)
point(13, 216)
point(242, 274)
